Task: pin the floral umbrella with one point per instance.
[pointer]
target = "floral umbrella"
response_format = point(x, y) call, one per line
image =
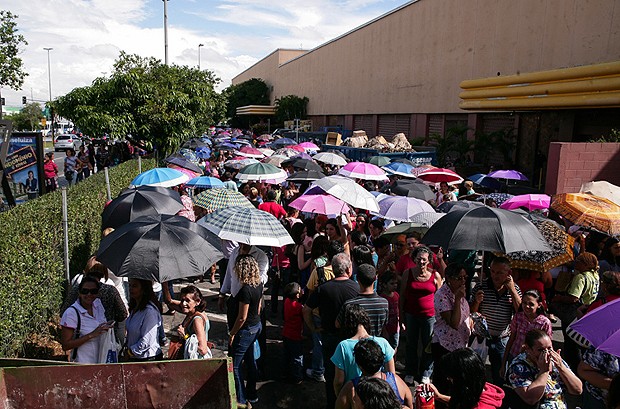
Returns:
point(589, 211)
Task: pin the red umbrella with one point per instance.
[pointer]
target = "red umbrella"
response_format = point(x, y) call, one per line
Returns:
point(438, 175)
point(250, 152)
point(298, 148)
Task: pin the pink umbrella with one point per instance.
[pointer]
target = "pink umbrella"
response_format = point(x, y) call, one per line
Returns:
point(362, 170)
point(309, 146)
point(531, 202)
point(438, 175)
point(416, 171)
point(185, 171)
point(250, 152)
point(297, 148)
point(320, 204)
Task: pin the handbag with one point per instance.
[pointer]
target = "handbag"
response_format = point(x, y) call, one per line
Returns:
point(190, 350)
point(481, 348)
point(175, 350)
point(108, 348)
point(256, 349)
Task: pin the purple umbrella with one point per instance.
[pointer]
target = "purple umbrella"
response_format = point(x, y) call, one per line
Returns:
point(320, 204)
point(402, 208)
point(507, 174)
point(602, 327)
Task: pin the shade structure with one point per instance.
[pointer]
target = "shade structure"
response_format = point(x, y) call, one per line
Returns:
point(413, 188)
point(250, 152)
point(438, 175)
point(309, 146)
point(215, 199)
point(302, 164)
point(346, 190)
point(486, 228)
point(507, 174)
point(589, 211)
point(247, 225)
point(404, 228)
point(305, 176)
point(530, 202)
point(329, 159)
point(275, 160)
point(159, 248)
point(446, 207)
point(483, 180)
point(320, 204)
point(379, 160)
point(205, 182)
point(140, 201)
point(184, 163)
point(426, 218)
point(282, 142)
point(239, 163)
point(162, 177)
point(561, 244)
point(400, 169)
point(601, 327)
point(262, 172)
point(402, 209)
point(288, 152)
point(602, 189)
point(364, 171)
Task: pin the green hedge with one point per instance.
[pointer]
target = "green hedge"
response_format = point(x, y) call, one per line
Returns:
point(32, 274)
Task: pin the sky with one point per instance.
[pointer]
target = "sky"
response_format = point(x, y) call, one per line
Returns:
point(88, 35)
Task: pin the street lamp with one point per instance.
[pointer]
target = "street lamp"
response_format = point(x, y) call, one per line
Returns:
point(49, 79)
point(165, 31)
point(199, 45)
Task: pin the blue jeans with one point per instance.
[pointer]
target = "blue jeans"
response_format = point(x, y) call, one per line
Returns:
point(497, 347)
point(317, 349)
point(243, 351)
point(294, 359)
point(418, 328)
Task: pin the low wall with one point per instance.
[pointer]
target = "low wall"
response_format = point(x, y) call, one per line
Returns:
point(572, 164)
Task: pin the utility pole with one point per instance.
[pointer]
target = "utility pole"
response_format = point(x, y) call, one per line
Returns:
point(49, 79)
point(199, 45)
point(165, 31)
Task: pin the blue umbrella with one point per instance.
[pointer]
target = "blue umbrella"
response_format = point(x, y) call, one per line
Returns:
point(203, 153)
point(164, 177)
point(398, 168)
point(278, 143)
point(483, 180)
point(228, 145)
point(206, 182)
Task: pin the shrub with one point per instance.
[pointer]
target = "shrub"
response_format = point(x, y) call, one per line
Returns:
point(32, 273)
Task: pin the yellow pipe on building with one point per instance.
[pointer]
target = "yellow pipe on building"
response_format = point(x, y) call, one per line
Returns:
point(594, 100)
point(552, 88)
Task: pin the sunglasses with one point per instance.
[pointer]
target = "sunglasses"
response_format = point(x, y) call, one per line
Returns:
point(86, 291)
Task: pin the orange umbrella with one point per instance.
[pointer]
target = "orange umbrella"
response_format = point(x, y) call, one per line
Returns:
point(589, 211)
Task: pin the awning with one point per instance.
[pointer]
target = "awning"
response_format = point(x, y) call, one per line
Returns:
point(257, 110)
point(589, 86)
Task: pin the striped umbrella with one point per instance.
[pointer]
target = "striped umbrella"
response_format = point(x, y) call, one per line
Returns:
point(247, 225)
point(261, 172)
point(214, 199)
point(589, 211)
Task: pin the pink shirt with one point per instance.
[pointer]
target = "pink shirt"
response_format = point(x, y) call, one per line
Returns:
point(448, 337)
point(520, 325)
point(188, 212)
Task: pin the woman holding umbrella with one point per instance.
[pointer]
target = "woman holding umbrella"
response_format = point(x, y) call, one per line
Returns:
point(144, 320)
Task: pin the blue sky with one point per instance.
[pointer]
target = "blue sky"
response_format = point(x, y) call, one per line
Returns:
point(87, 35)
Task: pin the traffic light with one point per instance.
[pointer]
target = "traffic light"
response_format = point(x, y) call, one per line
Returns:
point(2, 101)
point(24, 100)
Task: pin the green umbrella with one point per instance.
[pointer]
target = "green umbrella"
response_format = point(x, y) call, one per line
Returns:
point(404, 228)
point(261, 172)
point(214, 199)
point(379, 160)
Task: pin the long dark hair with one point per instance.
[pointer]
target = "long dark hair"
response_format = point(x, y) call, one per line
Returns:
point(606, 253)
point(463, 374)
point(196, 295)
point(147, 296)
point(536, 295)
point(377, 394)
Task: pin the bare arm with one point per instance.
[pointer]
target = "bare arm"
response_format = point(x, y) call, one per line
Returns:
point(572, 382)
point(594, 376)
point(199, 330)
point(338, 381)
point(242, 316)
point(172, 304)
point(300, 258)
point(345, 397)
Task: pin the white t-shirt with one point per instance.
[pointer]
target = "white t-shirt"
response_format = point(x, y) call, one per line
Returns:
point(88, 353)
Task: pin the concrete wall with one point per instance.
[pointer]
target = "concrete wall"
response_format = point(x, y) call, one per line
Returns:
point(412, 60)
point(572, 164)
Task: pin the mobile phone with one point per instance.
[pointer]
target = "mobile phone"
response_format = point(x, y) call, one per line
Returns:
point(111, 323)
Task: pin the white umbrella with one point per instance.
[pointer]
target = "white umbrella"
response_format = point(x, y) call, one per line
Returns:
point(427, 218)
point(401, 208)
point(329, 158)
point(602, 189)
point(346, 190)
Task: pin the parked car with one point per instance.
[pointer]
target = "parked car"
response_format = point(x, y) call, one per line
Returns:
point(64, 142)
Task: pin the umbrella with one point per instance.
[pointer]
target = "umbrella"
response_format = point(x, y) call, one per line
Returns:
point(183, 163)
point(401, 208)
point(346, 190)
point(330, 158)
point(446, 207)
point(297, 148)
point(214, 199)
point(507, 174)
point(306, 175)
point(423, 168)
point(320, 204)
point(239, 163)
point(247, 225)
point(601, 327)
point(206, 182)
point(438, 175)
point(339, 153)
point(485, 181)
point(413, 188)
point(427, 218)
point(279, 143)
point(302, 155)
point(194, 143)
point(361, 170)
point(266, 151)
point(190, 173)
point(159, 248)
point(288, 152)
point(250, 152)
point(379, 196)
point(401, 169)
point(589, 211)
point(261, 172)
point(403, 160)
point(275, 160)
point(302, 164)
point(531, 202)
point(203, 153)
point(602, 189)
point(140, 201)
point(264, 137)
point(309, 146)
point(228, 146)
point(561, 244)
point(378, 160)
point(163, 177)
point(404, 228)
point(498, 198)
point(485, 228)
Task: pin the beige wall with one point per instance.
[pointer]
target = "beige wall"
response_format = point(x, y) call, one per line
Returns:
point(413, 60)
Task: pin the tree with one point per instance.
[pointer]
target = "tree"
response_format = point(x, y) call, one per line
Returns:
point(291, 107)
point(11, 66)
point(161, 104)
point(250, 92)
point(28, 119)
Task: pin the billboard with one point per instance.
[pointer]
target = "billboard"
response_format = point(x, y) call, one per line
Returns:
point(22, 166)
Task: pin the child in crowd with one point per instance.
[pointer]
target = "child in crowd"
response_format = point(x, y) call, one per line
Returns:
point(388, 286)
point(292, 332)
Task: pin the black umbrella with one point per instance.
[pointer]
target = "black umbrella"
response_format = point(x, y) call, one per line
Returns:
point(302, 164)
point(445, 207)
point(140, 201)
point(194, 143)
point(485, 228)
point(306, 175)
point(413, 188)
point(184, 163)
point(159, 248)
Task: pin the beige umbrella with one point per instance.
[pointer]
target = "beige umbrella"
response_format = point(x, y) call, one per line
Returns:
point(604, 189)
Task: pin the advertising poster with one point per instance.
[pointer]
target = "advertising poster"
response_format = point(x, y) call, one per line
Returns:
point(23, 166)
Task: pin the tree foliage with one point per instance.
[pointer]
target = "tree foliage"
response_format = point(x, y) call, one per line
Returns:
point(250, 92)
point(11, 66)
point(291, 107)
point(164, 105)
point(28, 119)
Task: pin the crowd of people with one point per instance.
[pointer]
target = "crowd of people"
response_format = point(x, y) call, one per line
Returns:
point(354, 297)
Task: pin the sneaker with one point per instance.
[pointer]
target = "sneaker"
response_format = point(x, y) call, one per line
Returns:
point(318, 378)
point(409, 380)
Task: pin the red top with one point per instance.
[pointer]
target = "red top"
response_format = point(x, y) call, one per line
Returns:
point(392, 326)
point(405, 262)
point(532, 283)
point(293, 320)
point(273, 208)
point(50, 169)
point(420, 297)
point(491, 397)
point(600, 302)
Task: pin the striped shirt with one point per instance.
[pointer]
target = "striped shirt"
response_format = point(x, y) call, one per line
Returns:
point(497, 308)
point(376, 307)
